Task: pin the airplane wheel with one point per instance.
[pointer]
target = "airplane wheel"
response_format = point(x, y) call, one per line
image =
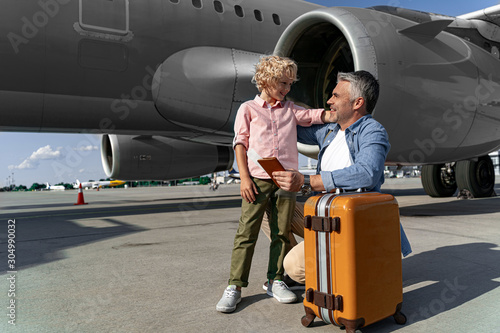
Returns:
point(438, 180)
point(476, 176)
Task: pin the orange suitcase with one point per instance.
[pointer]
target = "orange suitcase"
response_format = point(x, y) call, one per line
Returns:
point(353, 259)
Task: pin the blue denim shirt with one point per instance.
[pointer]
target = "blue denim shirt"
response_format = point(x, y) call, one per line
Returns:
point(368, 145)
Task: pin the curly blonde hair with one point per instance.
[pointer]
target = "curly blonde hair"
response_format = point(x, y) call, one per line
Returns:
point(271, 68)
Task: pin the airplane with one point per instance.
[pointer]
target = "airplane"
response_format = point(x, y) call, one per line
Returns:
point(310, 169)
point(162, 80)
point(54, 187)
point(233, 173)
point(98, 184)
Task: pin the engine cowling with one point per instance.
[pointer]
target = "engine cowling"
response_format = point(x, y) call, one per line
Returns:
point(439, 93)
point(202, 87)
point(129, 157)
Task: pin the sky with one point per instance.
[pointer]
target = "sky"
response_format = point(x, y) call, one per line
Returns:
point(27, 158)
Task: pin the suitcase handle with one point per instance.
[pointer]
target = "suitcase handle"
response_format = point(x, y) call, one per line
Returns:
point(324, 224)
point(324, 300)
point(339, 190)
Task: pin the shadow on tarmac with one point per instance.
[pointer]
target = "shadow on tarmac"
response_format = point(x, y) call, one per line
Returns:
point(249, 300)
point(449, 277)
point(419, 191)
point(404, 192)
point(45, 234)
point(453, 208)
point(99, 212)
point(38, 246)
point(110, 202)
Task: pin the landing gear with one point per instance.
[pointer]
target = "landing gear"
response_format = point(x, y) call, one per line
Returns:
point(476, 176)
point(438, 180)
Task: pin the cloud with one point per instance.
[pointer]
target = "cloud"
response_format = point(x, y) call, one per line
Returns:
point(86, 148)
point(43, 153)
point(26, 164)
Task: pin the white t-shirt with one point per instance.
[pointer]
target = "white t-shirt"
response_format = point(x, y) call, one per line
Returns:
point(337, 154)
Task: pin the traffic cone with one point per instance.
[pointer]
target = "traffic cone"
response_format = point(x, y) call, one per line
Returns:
point(80, 200)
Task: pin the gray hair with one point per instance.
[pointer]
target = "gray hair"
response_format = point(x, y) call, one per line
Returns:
point(363, 84)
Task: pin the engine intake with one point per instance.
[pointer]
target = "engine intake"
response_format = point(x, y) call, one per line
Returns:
point(438, 92)
point(129, 157)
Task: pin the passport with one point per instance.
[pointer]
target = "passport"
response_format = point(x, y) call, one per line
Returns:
point(271, 164)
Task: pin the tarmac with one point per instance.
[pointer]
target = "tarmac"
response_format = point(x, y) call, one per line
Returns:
point(157, 260)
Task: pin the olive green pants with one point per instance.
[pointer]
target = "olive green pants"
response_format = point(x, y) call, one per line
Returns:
point(282, 204)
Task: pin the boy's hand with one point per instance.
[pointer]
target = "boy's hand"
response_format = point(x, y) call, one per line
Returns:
point(327, 117)
point(290, 180)
point(248, 190)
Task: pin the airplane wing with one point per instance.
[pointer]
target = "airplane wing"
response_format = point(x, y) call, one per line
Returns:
point(490, 14)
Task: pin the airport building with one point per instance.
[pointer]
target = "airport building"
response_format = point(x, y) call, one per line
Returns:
point(495, 157)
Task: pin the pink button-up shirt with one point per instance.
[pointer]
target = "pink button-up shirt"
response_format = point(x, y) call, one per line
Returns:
point(272, 131)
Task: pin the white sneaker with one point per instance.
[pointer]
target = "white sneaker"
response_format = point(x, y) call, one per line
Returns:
point(291, 284)
point(229, 299)
point(280, 291)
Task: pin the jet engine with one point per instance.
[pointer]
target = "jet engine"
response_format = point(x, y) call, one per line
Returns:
point(439, 93)
point(130, 157)
point(202, 88)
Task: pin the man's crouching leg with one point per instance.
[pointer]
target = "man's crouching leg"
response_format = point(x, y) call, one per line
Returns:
point(294, 263)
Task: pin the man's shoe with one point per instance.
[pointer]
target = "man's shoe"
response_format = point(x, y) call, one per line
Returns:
point(291, 283)
point(264, 286)
point(229, 299)
point(280, 291)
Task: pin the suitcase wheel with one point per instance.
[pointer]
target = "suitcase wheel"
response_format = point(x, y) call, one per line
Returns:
point(307, 320)
point(400, 318)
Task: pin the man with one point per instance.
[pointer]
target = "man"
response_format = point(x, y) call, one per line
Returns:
point(352, 152)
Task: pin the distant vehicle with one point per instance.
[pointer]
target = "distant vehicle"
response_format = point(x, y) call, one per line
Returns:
point(214, 184)
point(98, 184)
point(55, 187)
point(309, 170)
point(234, 174)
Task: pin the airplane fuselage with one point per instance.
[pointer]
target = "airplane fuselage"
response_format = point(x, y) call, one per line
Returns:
point(85, 66)
point(163, 79)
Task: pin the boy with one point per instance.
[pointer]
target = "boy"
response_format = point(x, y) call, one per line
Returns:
point(266, 125)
